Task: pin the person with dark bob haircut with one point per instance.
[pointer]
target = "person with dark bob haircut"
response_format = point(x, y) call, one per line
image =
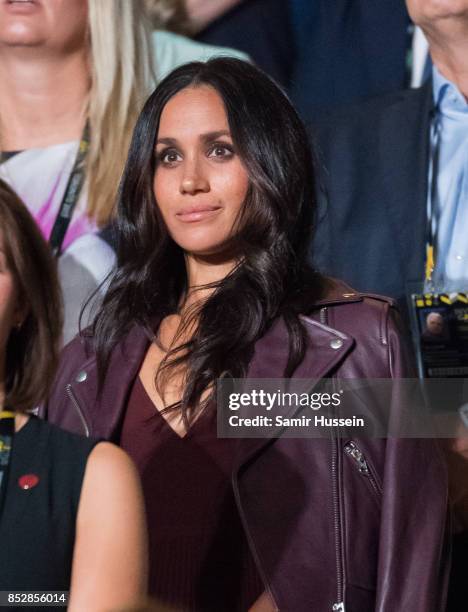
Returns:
point(215, 215)
point(62, 496)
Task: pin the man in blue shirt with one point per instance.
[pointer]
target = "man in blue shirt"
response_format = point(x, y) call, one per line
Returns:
point(396, 191)
point(396, 178)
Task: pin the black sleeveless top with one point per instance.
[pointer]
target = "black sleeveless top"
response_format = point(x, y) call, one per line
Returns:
point(37, 524)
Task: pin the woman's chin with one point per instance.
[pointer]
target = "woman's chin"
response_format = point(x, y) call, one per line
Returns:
point(213, 254)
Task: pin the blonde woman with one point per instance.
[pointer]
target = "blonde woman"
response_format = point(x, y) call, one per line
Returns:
point(66, 65)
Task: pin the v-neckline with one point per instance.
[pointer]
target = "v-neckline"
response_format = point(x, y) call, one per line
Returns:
point(158, 412)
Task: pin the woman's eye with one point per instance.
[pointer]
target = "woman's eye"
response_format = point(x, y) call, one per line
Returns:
point(221, 151)
point(169, 157)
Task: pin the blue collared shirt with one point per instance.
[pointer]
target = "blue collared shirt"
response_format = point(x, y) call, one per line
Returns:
point(451, 273)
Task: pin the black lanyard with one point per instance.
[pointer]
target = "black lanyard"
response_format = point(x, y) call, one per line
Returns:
point(70, 198)
point(433, 205)
point(7, 431)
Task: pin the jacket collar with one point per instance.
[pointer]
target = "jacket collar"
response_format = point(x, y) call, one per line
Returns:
point(269, 360)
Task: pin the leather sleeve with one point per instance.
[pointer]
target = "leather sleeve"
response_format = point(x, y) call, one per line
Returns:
point(414, 540)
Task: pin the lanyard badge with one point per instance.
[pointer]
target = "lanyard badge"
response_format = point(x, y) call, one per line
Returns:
point(440, 323)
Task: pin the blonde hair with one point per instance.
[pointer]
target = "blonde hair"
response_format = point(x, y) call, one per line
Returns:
point(122, 73)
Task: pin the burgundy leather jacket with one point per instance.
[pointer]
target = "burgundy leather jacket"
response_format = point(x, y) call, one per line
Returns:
point(325, 535)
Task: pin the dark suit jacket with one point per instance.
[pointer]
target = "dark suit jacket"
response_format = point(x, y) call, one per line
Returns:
point(326, 52)
point(347, 51)
point(374, 190)
point(261, 28)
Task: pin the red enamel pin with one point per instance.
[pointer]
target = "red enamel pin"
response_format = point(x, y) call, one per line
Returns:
point(28, 481)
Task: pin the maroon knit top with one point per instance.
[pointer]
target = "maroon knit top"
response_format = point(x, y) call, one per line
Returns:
point(199, 557)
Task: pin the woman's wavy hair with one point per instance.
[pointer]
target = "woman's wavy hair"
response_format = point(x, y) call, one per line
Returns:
point(32, 349)
point(272, 279)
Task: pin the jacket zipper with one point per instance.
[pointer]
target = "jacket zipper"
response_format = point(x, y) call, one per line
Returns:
point(75, 404)
point(323, 316)
point(339, 606)
point(353, 451)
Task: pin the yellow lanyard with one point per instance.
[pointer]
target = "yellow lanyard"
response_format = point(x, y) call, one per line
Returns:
point(430, 263)
point(7, 430)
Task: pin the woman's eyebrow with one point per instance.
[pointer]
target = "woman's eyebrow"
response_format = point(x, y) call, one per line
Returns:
point(166, 141)
point(206, 137)
point(214, 135)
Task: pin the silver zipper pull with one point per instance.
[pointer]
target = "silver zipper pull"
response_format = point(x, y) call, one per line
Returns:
point(323, 315)
point(353, 451)
point(339, 607)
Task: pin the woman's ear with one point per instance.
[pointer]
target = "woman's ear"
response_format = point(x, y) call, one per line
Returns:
point(20, 315)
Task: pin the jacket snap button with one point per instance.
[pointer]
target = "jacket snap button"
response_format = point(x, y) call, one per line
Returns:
point(336, 343)
point(81, 376)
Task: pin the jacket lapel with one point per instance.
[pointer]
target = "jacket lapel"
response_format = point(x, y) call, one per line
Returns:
point(125, 362)
point(270, 358)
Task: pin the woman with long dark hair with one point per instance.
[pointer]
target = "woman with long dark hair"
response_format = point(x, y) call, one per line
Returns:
point(215, 218)
point(62, 497)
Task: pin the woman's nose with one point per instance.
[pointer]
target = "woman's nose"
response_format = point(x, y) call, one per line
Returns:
point(194, 181)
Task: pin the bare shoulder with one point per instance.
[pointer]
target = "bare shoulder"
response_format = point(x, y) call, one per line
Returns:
point(109, 471)
point(106, 455)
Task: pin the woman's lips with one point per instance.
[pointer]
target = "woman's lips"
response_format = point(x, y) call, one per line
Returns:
point(192, 214)
point(21, 6)
point(21, 2)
